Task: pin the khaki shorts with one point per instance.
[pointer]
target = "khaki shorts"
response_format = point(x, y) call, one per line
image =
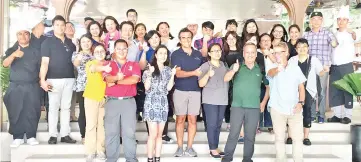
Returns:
point(186, 102)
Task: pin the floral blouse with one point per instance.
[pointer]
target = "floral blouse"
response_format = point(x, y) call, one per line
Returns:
point(159, 84)
point(81, 79)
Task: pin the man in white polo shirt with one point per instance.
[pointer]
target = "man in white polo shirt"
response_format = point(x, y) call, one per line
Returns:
point(343, 55)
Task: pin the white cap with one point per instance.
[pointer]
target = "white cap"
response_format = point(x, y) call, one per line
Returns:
point(344, 12)
point(191, 20)
point(28, 22)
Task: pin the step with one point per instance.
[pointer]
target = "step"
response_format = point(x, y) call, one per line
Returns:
point(338, 137)
point(43, 126)
point(170, 158)
point(318, 148)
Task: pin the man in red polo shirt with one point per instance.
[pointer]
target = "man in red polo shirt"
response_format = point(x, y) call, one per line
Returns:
point(120, 105)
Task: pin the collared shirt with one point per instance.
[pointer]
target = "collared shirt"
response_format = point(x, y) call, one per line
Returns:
point(196, 37)
point(128, 69)
point(247, 86)
point(133, 52)
point(59, 53)
point(320, 45)
point(344, 53)
point(284, 94)
point(187, 63)
point(198, 44)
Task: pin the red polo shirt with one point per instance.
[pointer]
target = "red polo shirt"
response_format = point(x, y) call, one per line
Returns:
point(128, 69)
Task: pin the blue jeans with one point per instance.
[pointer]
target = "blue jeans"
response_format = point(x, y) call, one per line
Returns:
point(215, 114)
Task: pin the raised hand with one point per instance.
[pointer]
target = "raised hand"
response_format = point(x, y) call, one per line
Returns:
point(107, 68)
point(79, 56)
point(211, 71)
point(206, 38)
point(18, 53)
point(235, 67)
point(151, 69)
point(145, 46)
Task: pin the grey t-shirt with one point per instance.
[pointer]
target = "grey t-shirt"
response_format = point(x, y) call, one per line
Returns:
point(133, 52)
point(216, 90)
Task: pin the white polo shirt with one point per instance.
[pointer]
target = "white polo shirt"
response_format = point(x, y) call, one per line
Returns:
point(345, 51)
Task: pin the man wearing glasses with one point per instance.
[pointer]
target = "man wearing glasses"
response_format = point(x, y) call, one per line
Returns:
point(120, 106)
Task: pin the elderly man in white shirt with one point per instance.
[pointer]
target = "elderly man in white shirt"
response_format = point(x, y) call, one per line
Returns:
point(341, 102)
point(287, 97)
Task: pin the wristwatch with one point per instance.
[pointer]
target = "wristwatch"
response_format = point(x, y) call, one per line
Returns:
point(301, 102)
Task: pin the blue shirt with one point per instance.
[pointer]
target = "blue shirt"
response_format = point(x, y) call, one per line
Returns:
point(187, 63)
point(149, 54)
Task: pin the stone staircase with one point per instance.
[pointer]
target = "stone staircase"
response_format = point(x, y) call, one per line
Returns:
point(330, 142)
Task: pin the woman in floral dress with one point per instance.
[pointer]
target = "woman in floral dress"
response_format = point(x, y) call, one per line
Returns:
point(158, 80)
point(80, 59)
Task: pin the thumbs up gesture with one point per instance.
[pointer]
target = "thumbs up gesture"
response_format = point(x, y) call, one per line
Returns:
point(211, 71)
point(236, 66)
point(107, 68)
point(145, 46)
point(79, 56)
point(151, 69)
point(18, 53)
point(206, 38)
point(174, 70)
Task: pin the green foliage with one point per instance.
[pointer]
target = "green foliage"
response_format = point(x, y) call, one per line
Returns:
point(350, 83)
point(5, 77)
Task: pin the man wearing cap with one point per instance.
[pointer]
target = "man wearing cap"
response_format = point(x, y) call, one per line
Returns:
point(341, 102)
point(321, 42)
point(22, 98)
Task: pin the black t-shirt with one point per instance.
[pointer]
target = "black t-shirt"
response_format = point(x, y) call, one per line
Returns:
point(60, 54)
point(303, 67)
point(292, 50)
point(232, 56)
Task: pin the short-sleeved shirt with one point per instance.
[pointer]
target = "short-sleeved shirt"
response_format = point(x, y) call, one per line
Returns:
point(247, 87)
point(233, 56)
point(95, 85)
point(133, 52)
point(187, 63)
point(26, 69)
point(128, 69)
point(215, 92)
point(320, 45)
point(344, 53)
point(284, 94)
point(198, 44)
point(59, 53)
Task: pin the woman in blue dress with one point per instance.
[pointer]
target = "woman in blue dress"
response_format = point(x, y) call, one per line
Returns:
point(158, 79)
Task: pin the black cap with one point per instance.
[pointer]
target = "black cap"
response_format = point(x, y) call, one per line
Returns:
point(88, 18)
point(316, 14)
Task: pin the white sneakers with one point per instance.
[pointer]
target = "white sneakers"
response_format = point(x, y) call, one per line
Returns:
point(32, 141)
point(17, 142)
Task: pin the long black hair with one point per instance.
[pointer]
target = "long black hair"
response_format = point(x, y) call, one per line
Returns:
point(156, 72)
point(84, 36)
point(244, 31)
point(226, 47)
point(114, 20)
point(150, 35)
point(284, 37)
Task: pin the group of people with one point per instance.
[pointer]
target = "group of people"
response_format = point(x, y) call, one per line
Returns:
point(253, 80)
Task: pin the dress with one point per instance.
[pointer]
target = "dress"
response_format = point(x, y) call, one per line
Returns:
point(156, 102)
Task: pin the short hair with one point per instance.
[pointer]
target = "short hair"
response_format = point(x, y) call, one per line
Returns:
point(72, 24)
point(249, 44)
point(150, 35)
point(282, 45)
point(208, 24)
point(58, 18)
point(132, 10)
point(126, 22)
point(120, 41)
point(88, 18)
point(294, 26)
point(231, 22)
point(302, 41)
point(184, 30)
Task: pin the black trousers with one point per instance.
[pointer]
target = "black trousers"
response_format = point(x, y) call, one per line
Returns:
point(81, 118)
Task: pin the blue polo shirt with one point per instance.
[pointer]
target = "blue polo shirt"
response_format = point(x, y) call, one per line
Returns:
point(187, 63)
